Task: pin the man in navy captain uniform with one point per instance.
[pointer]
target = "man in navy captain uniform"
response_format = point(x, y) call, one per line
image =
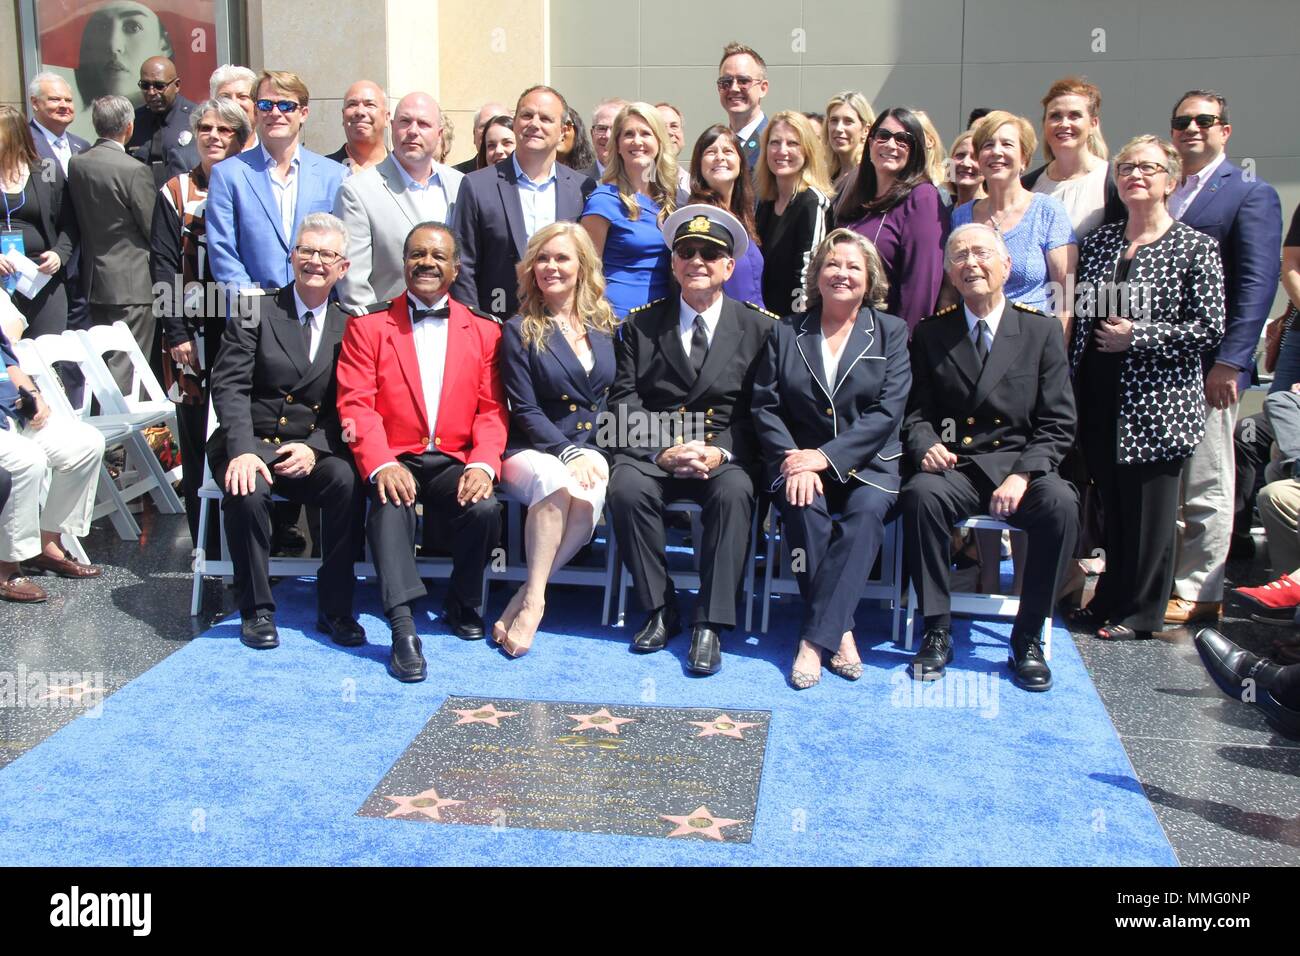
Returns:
point(990, 416)
point(694, 357)
point(273, 390)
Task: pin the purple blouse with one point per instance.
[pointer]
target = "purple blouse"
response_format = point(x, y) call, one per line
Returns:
point(746, 282)
point(910, 241)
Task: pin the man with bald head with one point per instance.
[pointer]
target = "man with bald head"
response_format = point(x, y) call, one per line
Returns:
point(162, 139)
point(382, 204)
point(365, 121)
point(485, 113)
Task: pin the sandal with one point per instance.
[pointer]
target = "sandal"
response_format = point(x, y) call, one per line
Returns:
point(1120, 632)
point(803, 679)
point(1084, 619)
point(842, 667)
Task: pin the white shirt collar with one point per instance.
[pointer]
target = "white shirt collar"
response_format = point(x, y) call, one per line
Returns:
point(415, 302)
point(747, 130)
point(993, 319)
point(269, 160)
point(317, 314)
point(520, 174)
point(686, 316)
point(51, 137)
point(410, 181)
point(1204, 175)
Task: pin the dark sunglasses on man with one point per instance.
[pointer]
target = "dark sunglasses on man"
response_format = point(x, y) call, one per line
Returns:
point(147, 85)
point(687, 251)
point(284, 106)
point(1202, 121)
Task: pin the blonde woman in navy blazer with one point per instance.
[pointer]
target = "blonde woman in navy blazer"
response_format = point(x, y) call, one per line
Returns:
point(557, 363)
point(828, 403)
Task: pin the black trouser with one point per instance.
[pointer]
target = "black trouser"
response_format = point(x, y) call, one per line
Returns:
point(191, 438)
point(636, 501)
point(838, 553)
point(1252, 444)
point(1141, 505)
point(932, 503)
point(473, 531)
point(333, 485)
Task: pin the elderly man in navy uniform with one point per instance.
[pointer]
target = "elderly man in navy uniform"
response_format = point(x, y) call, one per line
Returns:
point(273, 389)
point(990, 416)
point(685, 373)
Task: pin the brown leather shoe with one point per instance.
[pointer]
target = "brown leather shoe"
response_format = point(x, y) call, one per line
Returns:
point(1181, 611)
point(24, 590)
point(64, 567)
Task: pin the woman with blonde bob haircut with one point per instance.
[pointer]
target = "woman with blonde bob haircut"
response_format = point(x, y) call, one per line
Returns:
point(829, 398)
point(624, 213)
point(794, 208)
point(557, 364)
point(1076, 171)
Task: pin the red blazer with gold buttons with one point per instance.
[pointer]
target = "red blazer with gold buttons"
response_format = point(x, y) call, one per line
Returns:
point(381, 401)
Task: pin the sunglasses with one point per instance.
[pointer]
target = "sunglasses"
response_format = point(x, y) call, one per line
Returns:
point(902, 137)
point(1146, 169)
point(1202, 120)
point(210, 128)
point(689, 250)
point(148, 85)
point(978, 254)
point(741, 82)
point(284, 106)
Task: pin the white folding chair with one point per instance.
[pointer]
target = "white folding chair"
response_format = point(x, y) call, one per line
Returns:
point(151, 478)
point(980, 605)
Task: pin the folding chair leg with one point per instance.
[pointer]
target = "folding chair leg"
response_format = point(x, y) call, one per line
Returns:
point(749, 573)
point(1047, 638)
point(73, 546)
point(611, 572)
point(911, 613)
point(124, 522)
point(622, 596)
point(163, 495)
point(200, 556)
point(897, 540)
point(768, 570)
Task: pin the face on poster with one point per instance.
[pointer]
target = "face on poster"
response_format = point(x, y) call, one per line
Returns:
point(98, 47)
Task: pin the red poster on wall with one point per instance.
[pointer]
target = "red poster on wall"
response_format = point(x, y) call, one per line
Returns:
point(98, 47)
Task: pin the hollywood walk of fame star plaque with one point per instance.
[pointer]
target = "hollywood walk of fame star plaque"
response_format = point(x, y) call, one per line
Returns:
point(677, 773)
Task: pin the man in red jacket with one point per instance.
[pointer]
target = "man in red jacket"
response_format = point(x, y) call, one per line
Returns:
point(422, 407)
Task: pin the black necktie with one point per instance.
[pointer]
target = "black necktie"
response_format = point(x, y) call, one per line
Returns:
point(699, 344)
point(981, 346)
point(418, 314)
point(305, 324)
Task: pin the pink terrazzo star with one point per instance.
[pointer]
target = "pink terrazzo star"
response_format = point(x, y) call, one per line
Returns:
point(488, 714)
point(699, 821)
point(428, 803)
point(721, 726)
point(600, 720)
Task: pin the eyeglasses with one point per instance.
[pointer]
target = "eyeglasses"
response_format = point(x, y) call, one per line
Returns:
point(978, 253)
point(284, 106)
point(1146, 169)
point(1202, 120)
point(741, 82)
point(148, 85)
point(210, 128)
point(601, 128)
point(327, 257)
point(902, 137)
point(687, 251)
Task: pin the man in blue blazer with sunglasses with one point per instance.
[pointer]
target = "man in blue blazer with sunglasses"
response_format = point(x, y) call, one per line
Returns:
point(258, 199)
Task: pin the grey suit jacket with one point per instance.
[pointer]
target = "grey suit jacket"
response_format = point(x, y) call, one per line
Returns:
point(379, 212)
point(113, 196)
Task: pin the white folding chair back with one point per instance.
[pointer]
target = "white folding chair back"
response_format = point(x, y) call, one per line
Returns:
point(100, 340)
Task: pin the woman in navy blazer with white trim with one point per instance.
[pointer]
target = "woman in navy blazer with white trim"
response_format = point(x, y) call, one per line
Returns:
point(557, 366)
point(828, 402)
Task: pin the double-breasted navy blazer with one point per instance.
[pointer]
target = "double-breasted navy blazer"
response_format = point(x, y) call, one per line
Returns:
point(855, 420)
point(554, 403)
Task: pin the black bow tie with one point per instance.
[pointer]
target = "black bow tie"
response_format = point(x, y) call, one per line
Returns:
point(418, 314)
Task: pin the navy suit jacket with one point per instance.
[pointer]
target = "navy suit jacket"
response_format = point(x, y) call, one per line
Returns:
point(855, 420)
point(751, 145)
point(489, 223)
point(247, 246)
point(1245, 218)
point(554, 403)
point(78, 311)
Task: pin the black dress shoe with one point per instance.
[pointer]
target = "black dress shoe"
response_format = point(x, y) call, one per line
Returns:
point(1029, 670)
point(1233, 668)
point(343, 631)
point(705, 655)
point(405, 662)
point(662, 624)
point(465, 622)
point(935, 654)
point(258, 632)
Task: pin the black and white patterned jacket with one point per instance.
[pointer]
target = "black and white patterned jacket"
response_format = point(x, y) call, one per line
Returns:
point(1175, 295)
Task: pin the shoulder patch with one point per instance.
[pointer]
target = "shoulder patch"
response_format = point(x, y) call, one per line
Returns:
point(952, 308)
point(648, 305)
point(485, 315)
point(759, 308)
point(377, 307)
point(1029, 308)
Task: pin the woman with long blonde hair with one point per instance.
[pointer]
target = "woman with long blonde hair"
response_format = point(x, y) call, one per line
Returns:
point(624, 213)
point(794, 208)
point(557, 364)
point(848, 117)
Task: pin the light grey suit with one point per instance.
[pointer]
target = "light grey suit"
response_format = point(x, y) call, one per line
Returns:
point(379, 212)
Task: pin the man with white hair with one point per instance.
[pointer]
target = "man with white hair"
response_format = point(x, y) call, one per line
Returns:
point(602, 124)
point(380, 206)
point(989, 418)
point(238, 83)
point(273, 389)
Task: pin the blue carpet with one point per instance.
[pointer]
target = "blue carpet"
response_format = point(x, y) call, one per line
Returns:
point(224, 756)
